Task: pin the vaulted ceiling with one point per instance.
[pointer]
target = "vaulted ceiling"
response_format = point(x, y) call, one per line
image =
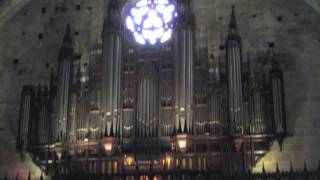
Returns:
point(315, 4)
point(8, 8)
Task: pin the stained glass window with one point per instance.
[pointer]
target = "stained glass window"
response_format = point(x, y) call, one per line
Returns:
point(150, 21)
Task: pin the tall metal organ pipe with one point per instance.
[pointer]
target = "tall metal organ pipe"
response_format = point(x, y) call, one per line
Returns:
point(25, 119)
point(258, 125)
point(44, 116)
point(65, 70)
point(111, 70)
point(184, 67)
point(234, 73)
point(216, 113)
point(279, 114)
point(147, 101)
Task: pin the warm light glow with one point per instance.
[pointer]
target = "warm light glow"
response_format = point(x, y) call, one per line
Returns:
point(129, 160)
point(108, 147)
point(59, 155)
point(182, 143)
point(151, 21)
point(168, 159)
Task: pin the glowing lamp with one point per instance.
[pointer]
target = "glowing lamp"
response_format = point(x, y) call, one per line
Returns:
point(108, 147)
point(182, 142)
point(129, 160)
point(108, 144)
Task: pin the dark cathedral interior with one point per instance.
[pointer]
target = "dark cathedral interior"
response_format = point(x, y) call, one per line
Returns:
point(153, 100)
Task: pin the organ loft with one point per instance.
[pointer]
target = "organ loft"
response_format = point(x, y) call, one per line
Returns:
point(153, 99)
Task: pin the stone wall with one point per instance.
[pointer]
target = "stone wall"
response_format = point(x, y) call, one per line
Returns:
point(30, 41)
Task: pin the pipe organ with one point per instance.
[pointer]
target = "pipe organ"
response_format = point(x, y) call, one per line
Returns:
point(278, 99)
point(183, 46)
point(166, 89)
point(44, 116)
point(95, 91)
point(147, 101)
point(65, 71)
point(26, 108)
point(217, 113)
point(234, 76)
point(111, 70)
point(258, 125)
point(160, 106)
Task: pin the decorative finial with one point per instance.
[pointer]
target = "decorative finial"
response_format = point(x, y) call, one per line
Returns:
point(67, 35)
point(233, 21)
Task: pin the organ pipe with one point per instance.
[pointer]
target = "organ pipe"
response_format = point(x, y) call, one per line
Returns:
point(44, 116)
point(234, 73)
point(165, 93)
point(184, 68)
point(279, 114)
point(25, 119)
point(258, 104)
point(147, 101)
point(216, 113)
point(65, 70)
point(111, 70)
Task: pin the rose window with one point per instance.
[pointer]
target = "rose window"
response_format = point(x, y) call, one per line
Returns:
point(151, 21)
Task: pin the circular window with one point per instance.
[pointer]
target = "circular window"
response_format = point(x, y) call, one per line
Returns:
point(150, 21)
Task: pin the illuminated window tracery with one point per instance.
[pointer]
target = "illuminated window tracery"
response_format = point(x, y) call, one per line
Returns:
point(150, 21)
